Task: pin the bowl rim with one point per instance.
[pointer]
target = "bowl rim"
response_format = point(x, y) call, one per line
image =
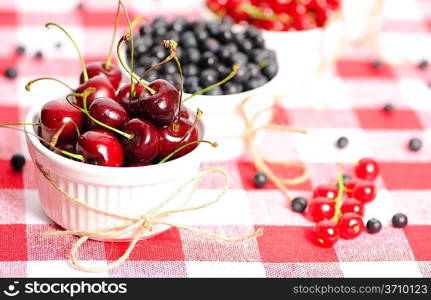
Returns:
point(33, 116)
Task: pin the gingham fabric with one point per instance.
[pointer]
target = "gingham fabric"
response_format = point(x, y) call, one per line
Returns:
point(350, 106)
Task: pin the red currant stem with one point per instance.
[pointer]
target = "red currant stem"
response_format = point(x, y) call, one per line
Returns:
point(81, 58)
point(337, 200)
point(84, 109)
point(28, 85)
point(109, 58)
point(120, 42)
point(54, 139)
point(171, 44)
point(167, 157)
point(73, 155)
point(227, 78)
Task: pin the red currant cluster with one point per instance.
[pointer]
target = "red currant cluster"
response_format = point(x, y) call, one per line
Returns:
point(277, 15)
point(338, 211)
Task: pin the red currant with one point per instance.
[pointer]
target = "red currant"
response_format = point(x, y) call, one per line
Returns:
point(321, 208)
point(353, 206)
point(364, 192)
point(367, 169)
point(326, 191)
point(325, 234)
point(351, 225)
point(348, 188)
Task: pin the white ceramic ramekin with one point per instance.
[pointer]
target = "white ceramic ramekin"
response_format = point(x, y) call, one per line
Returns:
point(124, 191)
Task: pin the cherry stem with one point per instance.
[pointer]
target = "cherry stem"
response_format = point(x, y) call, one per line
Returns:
point(56, 136)
point(227, 78)
point(109, 58)
point(84, 109)
point(124, 38)
point(214, 144)
point(337, 200)
point(81, 58)
point(73, 155)
point(28, 85)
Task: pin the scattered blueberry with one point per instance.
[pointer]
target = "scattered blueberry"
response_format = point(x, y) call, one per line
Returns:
point(38, 54)
point(299, 204)
point(260, 179)
point(374, 225)
point(346, 177)
point(388, 107)
point(376, 64)
point(423, 64)
point(57, 45)
point(17, 162)
point(10, 73)
point(415, 144)
point(342, 142)
point(399, 220)
point(20, 50)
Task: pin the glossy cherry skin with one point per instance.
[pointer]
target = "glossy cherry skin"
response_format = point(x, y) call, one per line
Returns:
point(364, 192)
point(184, 114)
point(109, 112)
point(113, 74)
point(353, 206)
point(348, 188)
point(125, 99)
point(172, 134)
point(162, 107)
point(326, 191)
point(145, 144)
point(103, 89)
point(54, 114)
point(351, 225)
point(325, 234)
point(100, 148)
point(367, 169)
point(320, 209)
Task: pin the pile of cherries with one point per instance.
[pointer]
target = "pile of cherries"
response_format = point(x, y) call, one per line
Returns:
point(277, 15)
point(107, 122)
point(338, 210)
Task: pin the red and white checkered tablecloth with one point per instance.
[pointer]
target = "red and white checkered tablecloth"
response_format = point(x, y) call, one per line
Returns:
point(351, 107)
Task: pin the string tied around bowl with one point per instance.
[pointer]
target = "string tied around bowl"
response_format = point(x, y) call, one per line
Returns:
point(144, 223)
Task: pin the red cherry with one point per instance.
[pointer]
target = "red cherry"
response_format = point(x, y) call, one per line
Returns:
point(145, 144)
point(352, 206)
point(184, 114)
point(172, 134)
point(364, 192)
point(162, 107)
point(325, 234)
point(100, 148)
point(351, 225)
point(69, 147)
point(124, 97)
point(320, 209)
point(304, 22)
point(109, 112)
point(103, 89)
point(349, 186)
point(367, 169)
point(326, 191)
point(113, 74)
point(52, 117)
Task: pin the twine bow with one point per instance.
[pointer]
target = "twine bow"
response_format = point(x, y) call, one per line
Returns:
point(143, 223)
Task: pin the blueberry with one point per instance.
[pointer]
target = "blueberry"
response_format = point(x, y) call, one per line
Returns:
point(227, 21)
point(159, 52)
point(259, 42)
point(374, 225)
point(239, 58)
point(201, 36)
point(376, 64)
point(159, 21)
point(260, 179)
point(57, 45)
point(254, 70)
point(208, 59)
point(232, 88)
point(270, 70)
point(246, 45)
point(262, 56)
point(346, 177)
point(153, 75)
point(208, 77)
point(423, 64)
point(299, 204)
point(242, 75)
point(254, 83)
point(213, 28)
point(225, 36)
point(216, 91)
point(399, 220)
point(222, 70)
point(20, 50)
point(146, 29)
point(190, 70)
point(252, 32)
point(11, 73)
point(198, 26)
point(147, 61)
point(415, 144)
point(170, 68)
point(160, 32)
point(388, 107)
point(38, 54)
point(342, 142)
point(191, 80)
point(211, 45)
point(193, 56)
point(178, 25)
point(17, 162)
point(172, 35)
point(225, 52)
point(188, 40)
